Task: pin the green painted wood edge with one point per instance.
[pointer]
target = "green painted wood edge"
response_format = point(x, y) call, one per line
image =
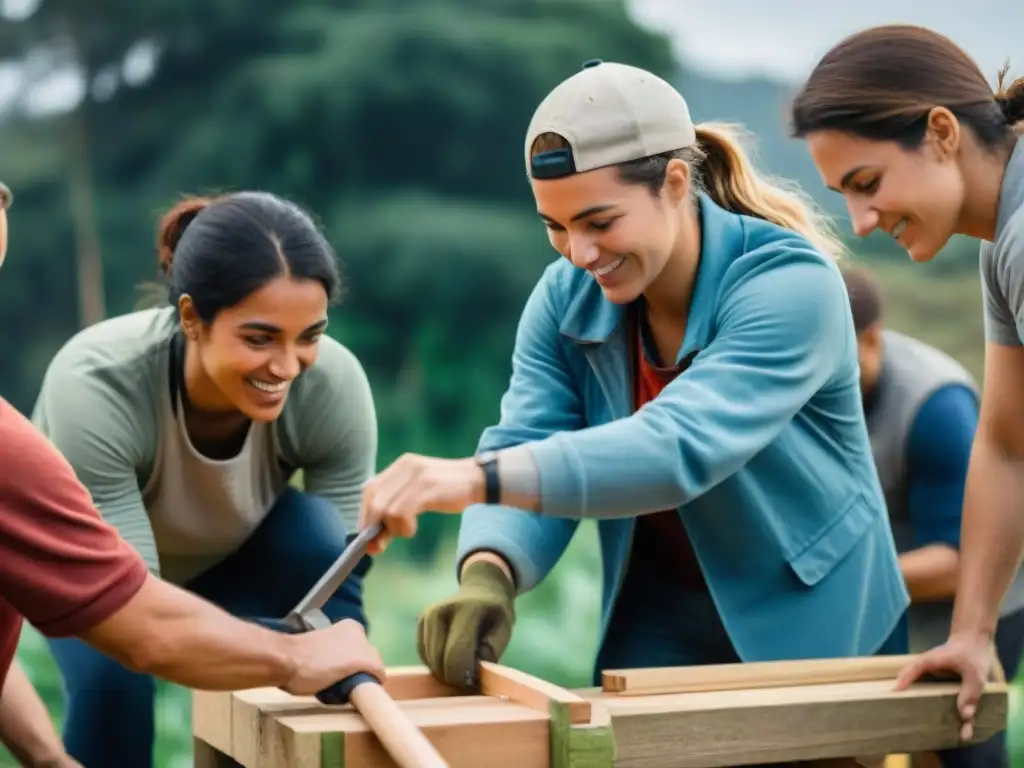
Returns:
point(580, 746)
point(332, 750)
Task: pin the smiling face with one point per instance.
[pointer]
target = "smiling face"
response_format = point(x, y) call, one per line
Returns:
point(248, 357)
point(622, 234)
point(914, 196)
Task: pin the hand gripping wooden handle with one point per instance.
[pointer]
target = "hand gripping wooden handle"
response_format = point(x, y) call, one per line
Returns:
point(406, 744)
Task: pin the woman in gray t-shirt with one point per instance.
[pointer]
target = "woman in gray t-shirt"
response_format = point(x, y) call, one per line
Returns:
point(900, 121)
point(187, 423)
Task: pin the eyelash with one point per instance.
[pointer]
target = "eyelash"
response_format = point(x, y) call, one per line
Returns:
point(867, 189)
point(600, 226)
point(262, 341)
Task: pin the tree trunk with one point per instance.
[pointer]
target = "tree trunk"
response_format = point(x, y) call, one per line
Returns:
point(88, 259)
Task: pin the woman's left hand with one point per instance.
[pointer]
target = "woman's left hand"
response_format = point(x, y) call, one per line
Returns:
point(414, 484)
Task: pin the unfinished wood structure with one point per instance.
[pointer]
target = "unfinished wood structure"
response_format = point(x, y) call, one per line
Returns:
point(666, 718)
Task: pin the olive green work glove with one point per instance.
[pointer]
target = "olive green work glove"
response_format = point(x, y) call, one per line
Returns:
point(474, 625)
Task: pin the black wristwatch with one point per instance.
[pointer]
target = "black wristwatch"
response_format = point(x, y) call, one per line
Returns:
point(488, 462)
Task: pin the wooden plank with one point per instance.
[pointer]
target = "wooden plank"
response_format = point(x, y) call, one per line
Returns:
point(271, 729)
point(522, 688)
point(211, 719)
point(416, 682)
point(205, 756)
point(760, 674)
point(741, 727)
point(254, 709)
point(468, 732)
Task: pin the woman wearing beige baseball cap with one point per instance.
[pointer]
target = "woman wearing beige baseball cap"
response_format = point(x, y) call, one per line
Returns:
point(686, 374)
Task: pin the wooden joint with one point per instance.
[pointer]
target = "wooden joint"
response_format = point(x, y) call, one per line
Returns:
point(529, 691)
point(584, 745)
point(416, 682)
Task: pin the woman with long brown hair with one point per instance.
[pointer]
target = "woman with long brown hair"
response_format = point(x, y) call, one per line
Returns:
point(902, 122)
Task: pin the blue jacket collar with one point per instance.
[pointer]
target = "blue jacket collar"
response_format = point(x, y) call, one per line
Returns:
point(591, 318)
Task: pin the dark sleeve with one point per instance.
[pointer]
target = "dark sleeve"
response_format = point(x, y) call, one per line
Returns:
point(938, 453)
point(61, 565)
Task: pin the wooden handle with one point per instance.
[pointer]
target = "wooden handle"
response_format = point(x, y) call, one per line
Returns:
point(401, 738)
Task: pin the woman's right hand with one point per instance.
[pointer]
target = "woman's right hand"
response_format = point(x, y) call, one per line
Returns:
point(475, 625)
point(969, 656)
point(328, 656)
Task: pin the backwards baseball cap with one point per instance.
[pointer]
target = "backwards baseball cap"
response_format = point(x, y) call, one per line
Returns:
point(608, 113)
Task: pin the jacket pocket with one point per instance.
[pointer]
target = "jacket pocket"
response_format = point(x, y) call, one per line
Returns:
point(835, 541)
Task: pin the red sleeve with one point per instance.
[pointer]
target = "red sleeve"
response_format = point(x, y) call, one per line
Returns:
point(61, 565)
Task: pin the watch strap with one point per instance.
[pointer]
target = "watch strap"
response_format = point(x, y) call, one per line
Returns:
point(488, 462)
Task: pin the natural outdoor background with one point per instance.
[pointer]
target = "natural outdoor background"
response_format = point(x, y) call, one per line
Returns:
point(399, 123)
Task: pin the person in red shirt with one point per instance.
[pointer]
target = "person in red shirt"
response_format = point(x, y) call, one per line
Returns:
point(69, 573)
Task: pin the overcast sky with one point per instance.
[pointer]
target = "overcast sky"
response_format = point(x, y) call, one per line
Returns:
point(784, 38)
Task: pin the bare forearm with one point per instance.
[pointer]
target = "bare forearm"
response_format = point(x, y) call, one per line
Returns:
point(172, 634)
point(26, 728)
point(930, 572)
point(992, 538)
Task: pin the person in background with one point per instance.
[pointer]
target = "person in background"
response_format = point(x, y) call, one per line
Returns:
point(685, 372)
point(188, 422)
point(900, 121)
point(71, 574)
point(922, 414)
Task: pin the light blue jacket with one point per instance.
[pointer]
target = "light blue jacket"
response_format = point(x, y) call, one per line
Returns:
point(761, 444)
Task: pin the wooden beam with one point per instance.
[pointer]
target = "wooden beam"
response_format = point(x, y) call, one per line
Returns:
point(711, 729)
point(468, 732)
point(765, 674)
point(211, 720)
point(253, 710)
point(768, 725)
point(512, 685)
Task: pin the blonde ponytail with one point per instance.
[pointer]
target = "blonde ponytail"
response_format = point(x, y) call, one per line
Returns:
point(728, 176)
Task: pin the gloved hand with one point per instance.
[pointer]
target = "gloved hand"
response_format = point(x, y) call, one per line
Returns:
point(474, 625)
